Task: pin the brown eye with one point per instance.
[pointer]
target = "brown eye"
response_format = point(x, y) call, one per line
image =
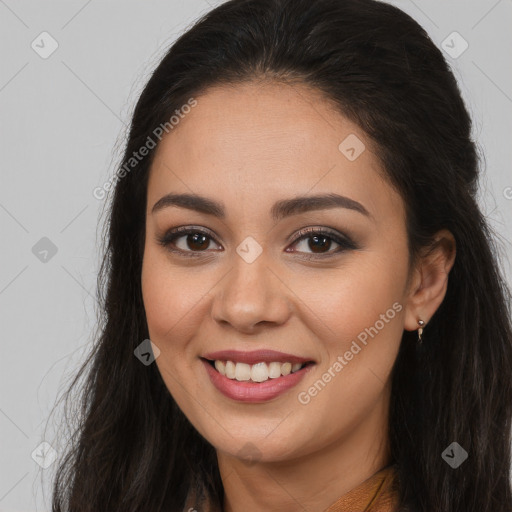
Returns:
point(197, 241)
point(319, 241)
point(318, 244)
point(186, 241)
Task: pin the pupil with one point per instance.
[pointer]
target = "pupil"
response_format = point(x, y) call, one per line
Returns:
point(200, 241)
point(319, 242)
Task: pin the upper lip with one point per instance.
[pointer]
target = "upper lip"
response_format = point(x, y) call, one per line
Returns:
point(255, 356)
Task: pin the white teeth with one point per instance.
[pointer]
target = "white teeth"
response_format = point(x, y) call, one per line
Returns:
point(286, 368)
point(220, 367)
point(259, 372)
point(274, 370)
point(230, 369)
point(242, 371)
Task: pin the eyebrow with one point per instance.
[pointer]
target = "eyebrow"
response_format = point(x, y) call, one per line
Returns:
point(280, 209)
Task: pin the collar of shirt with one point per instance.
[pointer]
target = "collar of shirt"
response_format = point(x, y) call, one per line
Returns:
point(377, 494)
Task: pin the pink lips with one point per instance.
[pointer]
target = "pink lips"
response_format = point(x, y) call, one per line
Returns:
point(254, 392)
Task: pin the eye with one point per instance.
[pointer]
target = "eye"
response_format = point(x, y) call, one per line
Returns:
point(187, 239)
point(320, 242)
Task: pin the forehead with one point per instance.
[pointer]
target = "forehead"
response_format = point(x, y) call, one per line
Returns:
point(260, 142)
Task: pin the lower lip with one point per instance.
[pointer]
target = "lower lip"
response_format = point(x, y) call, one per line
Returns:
point(246, 391)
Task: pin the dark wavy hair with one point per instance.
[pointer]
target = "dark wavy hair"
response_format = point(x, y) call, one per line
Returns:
point(132, 449)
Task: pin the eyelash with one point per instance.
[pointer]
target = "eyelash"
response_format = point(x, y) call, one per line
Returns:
point(344, 242)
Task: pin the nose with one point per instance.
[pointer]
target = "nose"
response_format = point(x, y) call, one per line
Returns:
point(251, 295)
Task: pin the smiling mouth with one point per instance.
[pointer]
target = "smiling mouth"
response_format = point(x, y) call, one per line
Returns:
point(255, 373)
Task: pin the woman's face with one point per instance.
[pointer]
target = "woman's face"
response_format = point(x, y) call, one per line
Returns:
point(251, 160)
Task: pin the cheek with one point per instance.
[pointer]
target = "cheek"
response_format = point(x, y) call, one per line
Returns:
point(171, 299)
point(369, 296)
point(349, 299)
point(172, 302)
point(358, 316)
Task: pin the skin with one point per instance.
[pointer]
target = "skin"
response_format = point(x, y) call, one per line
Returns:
point(247, 147)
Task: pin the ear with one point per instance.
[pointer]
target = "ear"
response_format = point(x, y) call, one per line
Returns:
point(429, 280)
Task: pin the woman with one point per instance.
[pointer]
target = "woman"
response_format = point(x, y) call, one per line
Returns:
point(294, 227)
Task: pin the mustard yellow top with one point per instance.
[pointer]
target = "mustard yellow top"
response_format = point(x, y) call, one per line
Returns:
point(377, 494)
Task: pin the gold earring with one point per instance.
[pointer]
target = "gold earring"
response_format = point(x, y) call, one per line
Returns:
point(421, 323)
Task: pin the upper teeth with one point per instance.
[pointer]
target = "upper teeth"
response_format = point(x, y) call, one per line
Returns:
point(258, 372)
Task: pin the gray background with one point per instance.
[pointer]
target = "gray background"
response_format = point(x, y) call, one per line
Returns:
point(63, 119)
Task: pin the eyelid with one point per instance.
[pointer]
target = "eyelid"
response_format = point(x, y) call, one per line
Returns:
point(319, 230)
point(187, 229)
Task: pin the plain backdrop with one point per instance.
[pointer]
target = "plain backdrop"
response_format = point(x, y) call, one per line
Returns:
point(62, 120)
